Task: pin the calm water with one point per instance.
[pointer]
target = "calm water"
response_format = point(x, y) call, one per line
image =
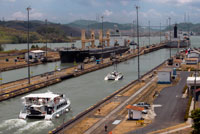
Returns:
point(22, 73)
point(83, 91)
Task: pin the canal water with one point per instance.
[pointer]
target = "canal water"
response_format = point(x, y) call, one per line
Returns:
point(43, 68)
point(83, 92)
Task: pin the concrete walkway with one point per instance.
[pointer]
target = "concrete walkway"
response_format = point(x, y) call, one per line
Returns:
point(90, 130)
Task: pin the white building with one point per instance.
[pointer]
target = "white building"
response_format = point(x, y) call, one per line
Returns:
point(191, 61)
point(35, 54)
point(191, 86)
point(194, 54)
point(134, 112)
point(164, 76)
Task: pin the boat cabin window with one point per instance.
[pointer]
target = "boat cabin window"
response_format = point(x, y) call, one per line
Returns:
point(61, 105)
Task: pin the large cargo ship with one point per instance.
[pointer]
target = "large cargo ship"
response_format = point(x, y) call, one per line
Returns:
point(178, 40)
point(102, 51)
point(78, 55)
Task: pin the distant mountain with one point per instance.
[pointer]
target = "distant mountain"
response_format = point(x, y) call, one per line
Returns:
point(36, 25)
point(16, 32)
point(92, 24)
point(81, 23)
point(187, 27)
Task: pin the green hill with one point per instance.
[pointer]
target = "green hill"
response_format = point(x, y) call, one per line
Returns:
point(16, 32)
point(92, 24)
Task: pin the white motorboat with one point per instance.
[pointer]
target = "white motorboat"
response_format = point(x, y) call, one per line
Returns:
point(44, 106)
point(114, 76)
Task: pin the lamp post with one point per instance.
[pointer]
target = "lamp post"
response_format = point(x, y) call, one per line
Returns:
point(102, 39)
point(138, 44)
point(149, 34)
point(170, 36)
point(160, 33)
point(29, 81)
point(46, 36)
point(195, 87)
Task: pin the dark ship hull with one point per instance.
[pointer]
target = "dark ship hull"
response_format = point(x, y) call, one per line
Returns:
point(174, 44)
point(76, 55)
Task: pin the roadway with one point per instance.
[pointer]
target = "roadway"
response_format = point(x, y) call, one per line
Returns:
point(172, 108)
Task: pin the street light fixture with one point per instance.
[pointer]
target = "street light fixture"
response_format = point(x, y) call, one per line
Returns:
point(149, 35)
point(46, 36)
point(170, 36)
point(160, 33)
point(29, 81)
point(102, 39)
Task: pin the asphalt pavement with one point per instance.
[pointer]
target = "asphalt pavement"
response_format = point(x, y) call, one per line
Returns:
point(172, 110)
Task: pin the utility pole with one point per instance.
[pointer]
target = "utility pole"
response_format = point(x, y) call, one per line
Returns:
point(138, 44)
point(194, 91)
point(102, 39)
point(29, 81)
point(46, 36)
point(149, 34)
point(160, 33)
point(133, 28)
point(170, 37)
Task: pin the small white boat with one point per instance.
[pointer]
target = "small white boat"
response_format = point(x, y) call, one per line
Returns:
point(114, 76)
point(44, 106)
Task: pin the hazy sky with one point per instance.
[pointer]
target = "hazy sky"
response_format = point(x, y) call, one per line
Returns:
point(121, 11)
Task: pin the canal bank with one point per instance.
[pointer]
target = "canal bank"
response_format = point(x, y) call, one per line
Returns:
point(83, 91)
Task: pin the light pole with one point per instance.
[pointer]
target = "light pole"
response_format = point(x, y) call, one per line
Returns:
point(102, 39)
point(138, 44)
point(46, 36)
point(170, 37)
point(194, 91)
point(133, 28)
point(149, 34)
point(160, 33)
point(29, 81)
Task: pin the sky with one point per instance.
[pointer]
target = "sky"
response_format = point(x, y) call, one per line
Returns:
point(120, 11)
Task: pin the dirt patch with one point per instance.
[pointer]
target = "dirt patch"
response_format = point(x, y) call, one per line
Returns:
point(133, 89)
point(107, 108)
point(82, 126)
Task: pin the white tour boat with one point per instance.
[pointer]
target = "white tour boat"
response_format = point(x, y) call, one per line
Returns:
point(114, 76)
point(44, 106)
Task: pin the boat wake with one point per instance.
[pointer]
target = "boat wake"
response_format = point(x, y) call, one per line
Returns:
point(19, 126)
point(34, 127)
point(11, 124)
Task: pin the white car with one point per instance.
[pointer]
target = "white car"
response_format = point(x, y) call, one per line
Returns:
point(142, 104)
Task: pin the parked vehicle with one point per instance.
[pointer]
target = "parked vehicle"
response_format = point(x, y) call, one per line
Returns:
point(143, 104)
point(92, 59)
point(86, 60)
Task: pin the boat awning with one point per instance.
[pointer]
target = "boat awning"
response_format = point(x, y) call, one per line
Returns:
point(37, 51)
point(49, 95)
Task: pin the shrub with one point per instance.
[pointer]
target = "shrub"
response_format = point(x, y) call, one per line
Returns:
point(196, 118)
point(188, 109)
